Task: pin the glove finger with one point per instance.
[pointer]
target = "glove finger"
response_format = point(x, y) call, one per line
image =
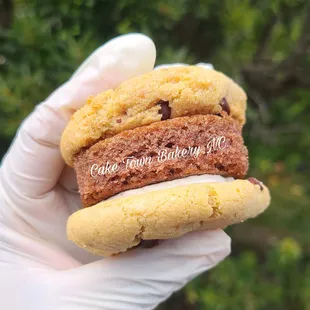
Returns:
point(142, 278)
point(68, 180)
point(205, 65)
point(33, 164)
point(200, 64)
point(178, 64)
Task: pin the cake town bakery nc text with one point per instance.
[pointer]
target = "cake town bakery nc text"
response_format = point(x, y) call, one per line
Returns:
point(214, 143)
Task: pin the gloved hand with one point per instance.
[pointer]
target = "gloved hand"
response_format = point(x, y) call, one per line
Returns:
point(41, 269)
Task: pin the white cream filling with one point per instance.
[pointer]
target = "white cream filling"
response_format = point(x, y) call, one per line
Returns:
point(204, 178)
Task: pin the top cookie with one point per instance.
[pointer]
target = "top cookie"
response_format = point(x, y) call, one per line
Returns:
point(158, 95)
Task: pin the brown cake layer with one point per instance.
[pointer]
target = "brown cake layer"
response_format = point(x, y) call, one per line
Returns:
point(202, 144)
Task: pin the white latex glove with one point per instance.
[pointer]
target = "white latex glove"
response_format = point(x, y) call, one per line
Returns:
point(39, 268)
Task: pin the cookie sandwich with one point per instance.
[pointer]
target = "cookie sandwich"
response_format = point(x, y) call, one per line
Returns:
point(158, 157)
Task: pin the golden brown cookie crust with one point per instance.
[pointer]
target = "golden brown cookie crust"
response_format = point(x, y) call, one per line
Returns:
point(190, 90)
point(113, 226)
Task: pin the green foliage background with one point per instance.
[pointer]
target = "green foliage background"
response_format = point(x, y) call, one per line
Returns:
point(264, 45)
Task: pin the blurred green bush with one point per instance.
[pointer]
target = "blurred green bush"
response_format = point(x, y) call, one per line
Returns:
point(282, 281)
point(262, 45)
point(245, 282)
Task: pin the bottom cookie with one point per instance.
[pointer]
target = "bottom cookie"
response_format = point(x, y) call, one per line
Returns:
point(121, 223)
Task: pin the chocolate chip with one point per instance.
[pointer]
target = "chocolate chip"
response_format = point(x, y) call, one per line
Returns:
point(164, 110)
point(169, 145)
point(148, 243)
point(119, 120)
point(219, 167)
point(256, 182)
point(225, 106)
